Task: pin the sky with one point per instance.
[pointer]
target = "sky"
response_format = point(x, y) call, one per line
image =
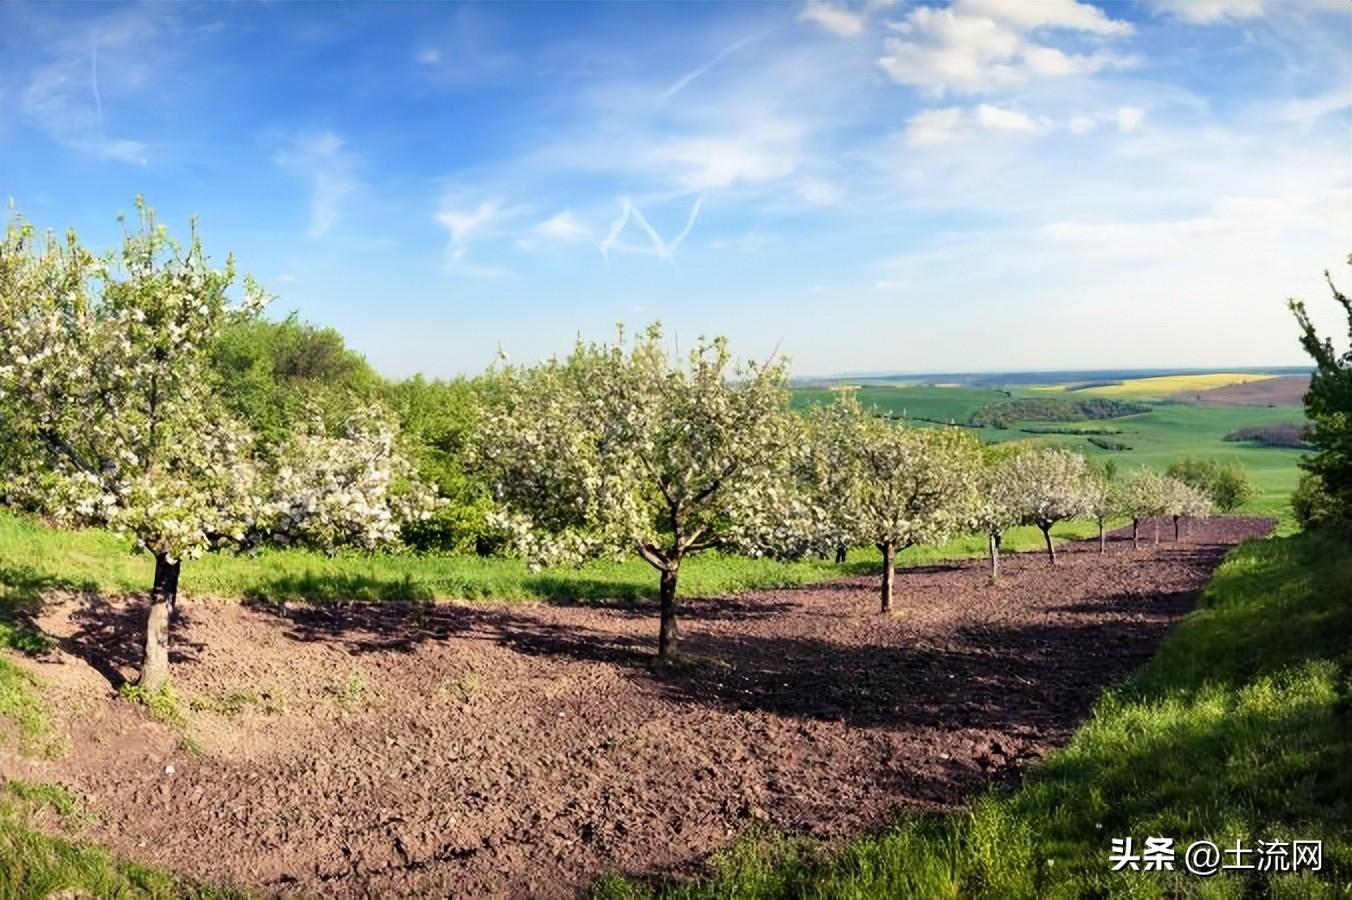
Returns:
point(986, 185)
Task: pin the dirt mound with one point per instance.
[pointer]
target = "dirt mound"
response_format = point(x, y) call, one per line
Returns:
point(1285, 390)
point(523, 749)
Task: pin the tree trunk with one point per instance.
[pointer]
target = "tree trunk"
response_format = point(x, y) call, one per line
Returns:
point(1103, 541)
point(163, 596)
point(1175, 529)
point(1157, 530)
point(889, 574)
point(994, 545)
point(1136, 533)
point(1051, 548)
point(668, 635)
point(841, 551)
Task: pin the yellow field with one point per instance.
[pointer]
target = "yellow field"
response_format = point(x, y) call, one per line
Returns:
point(1164, 385)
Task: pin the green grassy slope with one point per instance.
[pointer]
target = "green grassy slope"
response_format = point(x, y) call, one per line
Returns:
point(35, 557)
point(1241, 728)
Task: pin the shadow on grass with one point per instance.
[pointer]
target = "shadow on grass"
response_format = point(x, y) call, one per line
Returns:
point(22, 590)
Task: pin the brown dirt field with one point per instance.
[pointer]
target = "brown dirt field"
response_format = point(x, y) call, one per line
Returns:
point(1284, 390)
point(523, 749)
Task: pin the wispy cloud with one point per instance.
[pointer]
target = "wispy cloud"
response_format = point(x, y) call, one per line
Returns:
point(466, 224)
point(330, 168)
point(64, 97)
point(836, 18)
point(657, 246)
point(681, 83)
point(1206, 12)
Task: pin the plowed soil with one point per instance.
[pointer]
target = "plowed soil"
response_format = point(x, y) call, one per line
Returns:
point(523, 749)
point(1285, 390)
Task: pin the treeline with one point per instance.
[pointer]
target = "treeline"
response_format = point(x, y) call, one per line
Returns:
point(1053, 409)
point(1284, 434)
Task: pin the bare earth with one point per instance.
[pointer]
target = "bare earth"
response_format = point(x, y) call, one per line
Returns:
point(1284, 390)
point(523, 749)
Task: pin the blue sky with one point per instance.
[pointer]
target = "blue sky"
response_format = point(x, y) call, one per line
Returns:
point(986, 185)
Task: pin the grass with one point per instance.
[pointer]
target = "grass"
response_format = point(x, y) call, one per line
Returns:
point(1241, 728)
point(33, 864)
point(40, 558)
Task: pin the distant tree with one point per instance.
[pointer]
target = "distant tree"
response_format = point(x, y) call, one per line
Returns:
point(274, 375)
point(618, 449)
point(1231, 489)
point(1049, 486)
point(1328, 406)
point(1103, 498)
point(868, 480)
point(995, 507)
point(1228, 486)
point(1143, 496)
point(437, 421)
point(1183, 500)
point(115, 416)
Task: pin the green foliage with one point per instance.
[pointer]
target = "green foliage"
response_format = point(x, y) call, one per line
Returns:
point(1238, 729)
point(1328, 405)
point(1228, 486)
point(1311, 503)
point(1054, 409)
point(274, 374)
point(437, 420)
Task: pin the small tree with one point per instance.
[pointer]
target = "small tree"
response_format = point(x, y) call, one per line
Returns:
point(619, 450)
point(1227, 486)
point(1328, 405)
point(1183, 500)
point(1103, 500)
point(863, 479)
point(1231, 489)
point(1143, 497)
point(995, 508)
point(111, 402)
point(1049, 486)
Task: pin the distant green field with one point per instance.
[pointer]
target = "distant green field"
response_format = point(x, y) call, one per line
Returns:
point(918, 401)
point(1157, 438)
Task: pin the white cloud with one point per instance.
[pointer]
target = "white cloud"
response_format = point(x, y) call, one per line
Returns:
point(978, 47)
point(997, 118)
point(322, 160)
point(562, 226)
point(1129, 118)
point(1205, 12)
point(466, 224)
point(762, 153)
point(429, 57)
point(1308, 109)
point(1029, 14)
point(1082, 124)
point(64, 97)
point(933, 126)
point(818, 192)
point(834, 17)
point(751, 243)
point(951, 124)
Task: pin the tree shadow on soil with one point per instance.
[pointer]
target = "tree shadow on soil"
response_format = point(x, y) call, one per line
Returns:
point(110, 637)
